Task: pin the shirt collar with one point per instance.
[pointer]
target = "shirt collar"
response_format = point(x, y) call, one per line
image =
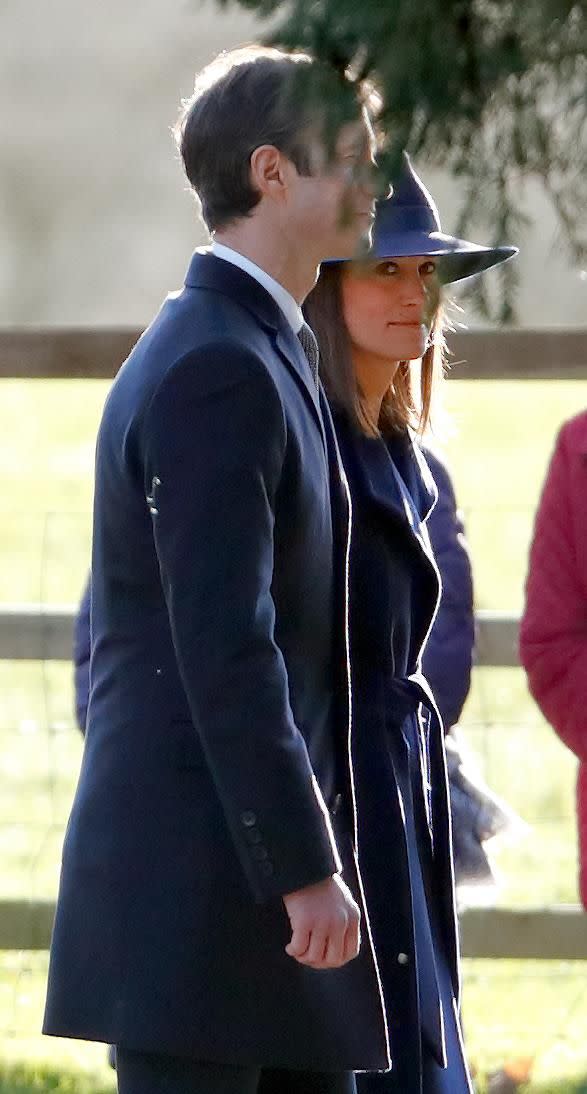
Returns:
point(282, 297)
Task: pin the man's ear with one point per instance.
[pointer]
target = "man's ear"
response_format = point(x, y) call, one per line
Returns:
point(270, 171)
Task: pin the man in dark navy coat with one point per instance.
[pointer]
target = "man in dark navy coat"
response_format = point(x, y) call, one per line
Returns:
point(208, 915)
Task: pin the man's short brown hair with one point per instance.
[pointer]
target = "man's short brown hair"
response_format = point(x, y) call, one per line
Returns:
point(242, 100)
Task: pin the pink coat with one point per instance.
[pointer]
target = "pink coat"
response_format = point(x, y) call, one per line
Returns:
point(553, 637)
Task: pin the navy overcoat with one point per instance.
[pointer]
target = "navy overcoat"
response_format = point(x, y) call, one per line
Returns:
point(448, 656)
point(215, 775)
point(394, 591)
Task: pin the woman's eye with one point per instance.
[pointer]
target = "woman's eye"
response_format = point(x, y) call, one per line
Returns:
point(428, 268)
point(387, 268)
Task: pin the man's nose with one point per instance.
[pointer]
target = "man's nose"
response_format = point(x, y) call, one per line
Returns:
point(370, 182)
point(365, 178)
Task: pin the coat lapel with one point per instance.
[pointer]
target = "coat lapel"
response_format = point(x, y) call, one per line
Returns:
point(340, 499)
point(374, 469)
point(290, 349)
point(207, 271)
point(415, 494)
point(420, 480)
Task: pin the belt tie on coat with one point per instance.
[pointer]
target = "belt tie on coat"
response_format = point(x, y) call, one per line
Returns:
point(406, 694)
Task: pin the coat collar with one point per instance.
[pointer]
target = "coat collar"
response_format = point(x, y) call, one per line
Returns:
point(406, 452)
point(206, 271)
point(374, 463)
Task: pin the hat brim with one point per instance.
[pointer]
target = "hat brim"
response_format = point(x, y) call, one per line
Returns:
point(459, 258)
point(471, 260)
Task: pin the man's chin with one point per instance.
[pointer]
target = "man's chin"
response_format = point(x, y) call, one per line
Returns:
point(364, 234)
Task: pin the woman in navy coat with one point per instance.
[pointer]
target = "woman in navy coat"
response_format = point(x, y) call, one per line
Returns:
point(372, 319)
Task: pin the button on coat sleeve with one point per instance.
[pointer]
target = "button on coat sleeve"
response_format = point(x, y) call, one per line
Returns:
point(214, 442)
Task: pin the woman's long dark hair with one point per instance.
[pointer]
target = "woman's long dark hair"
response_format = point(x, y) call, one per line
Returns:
point(400, 408)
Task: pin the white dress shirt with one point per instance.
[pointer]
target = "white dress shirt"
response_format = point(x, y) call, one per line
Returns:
point(289, 306)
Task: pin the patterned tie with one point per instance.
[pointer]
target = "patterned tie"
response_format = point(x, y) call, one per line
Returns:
point(310, 347)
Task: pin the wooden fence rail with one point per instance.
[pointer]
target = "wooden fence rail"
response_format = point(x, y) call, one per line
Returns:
point(30, 632)
point(537, 934)
point(80, 353)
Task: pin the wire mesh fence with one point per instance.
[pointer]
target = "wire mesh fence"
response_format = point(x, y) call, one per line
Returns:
point(532, 1013)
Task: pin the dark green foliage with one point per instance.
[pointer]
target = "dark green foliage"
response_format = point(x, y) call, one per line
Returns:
point(494, 91)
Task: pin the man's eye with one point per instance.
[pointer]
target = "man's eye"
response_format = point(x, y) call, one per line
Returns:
point(357, 170)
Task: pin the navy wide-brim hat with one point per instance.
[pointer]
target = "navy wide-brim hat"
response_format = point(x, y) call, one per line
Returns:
point(408, 224)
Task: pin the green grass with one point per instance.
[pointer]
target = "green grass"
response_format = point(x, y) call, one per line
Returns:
point(26, 1079)
point(502, 438)
point(28, 1058)
point(531, 1009)
point(512, 1010)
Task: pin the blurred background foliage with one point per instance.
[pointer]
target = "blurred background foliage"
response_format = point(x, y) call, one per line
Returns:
point(95, 218)
point(493, 91)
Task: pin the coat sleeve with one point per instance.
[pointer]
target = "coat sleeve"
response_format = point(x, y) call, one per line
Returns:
point(448, 656)
point(553, 633)
point(214, 445)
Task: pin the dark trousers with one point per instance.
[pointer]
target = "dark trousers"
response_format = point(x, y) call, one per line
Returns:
point(150, 1073)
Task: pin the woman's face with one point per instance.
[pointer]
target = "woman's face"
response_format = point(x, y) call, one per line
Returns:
point(389, 306)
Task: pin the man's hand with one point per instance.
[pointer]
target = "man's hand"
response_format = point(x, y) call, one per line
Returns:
point(325, 924)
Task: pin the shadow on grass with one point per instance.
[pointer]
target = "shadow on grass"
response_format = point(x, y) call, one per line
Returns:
point(36, 1079)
